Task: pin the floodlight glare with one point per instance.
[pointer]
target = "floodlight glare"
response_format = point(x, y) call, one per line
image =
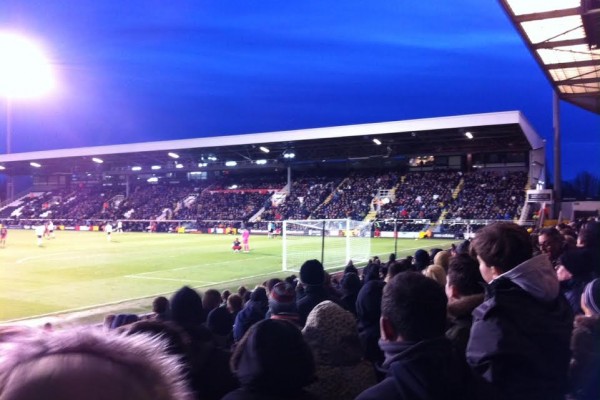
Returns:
point(230, 163)
point(469, 135)
point(97, 160)
point(178, 165)
point(202, 164)
point(173, 155)
point(377, 142)
point(212, 158)
point(261, 162)
point(35, 165)
point(153, 179)
point(136, 168)
point(289, 155)
point(155, 167)
point(25, 71)
point(2, 167)
point(264, 149)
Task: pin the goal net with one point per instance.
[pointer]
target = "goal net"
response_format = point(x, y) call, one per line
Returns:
point(331, 241)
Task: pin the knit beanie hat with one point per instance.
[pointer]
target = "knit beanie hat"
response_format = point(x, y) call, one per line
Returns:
point(312, 273)
point(282, 299)
point(591, 296)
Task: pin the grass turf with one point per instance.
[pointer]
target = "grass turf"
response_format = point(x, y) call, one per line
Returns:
point(83, 271)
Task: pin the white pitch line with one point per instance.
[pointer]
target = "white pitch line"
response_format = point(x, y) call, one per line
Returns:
point(194, 266)
point(168, 279)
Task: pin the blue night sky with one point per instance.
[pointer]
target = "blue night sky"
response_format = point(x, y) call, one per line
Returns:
point(146, 70)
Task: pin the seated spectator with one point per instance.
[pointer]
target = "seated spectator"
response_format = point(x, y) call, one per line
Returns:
point(464, 289)
point(342, 372)
point(234, 305)
point(254, 311)
point(585, 345)
point(282, 303)
point(210, 301)
point(272, 361)
point(89, 364)
point(519, 341)
point(419, 361)
point(220, 323)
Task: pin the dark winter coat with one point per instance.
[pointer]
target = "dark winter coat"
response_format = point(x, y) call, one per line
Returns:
point(520, 336)
point(460, 321)
point(312, 295)
point(426, 370)
point(368, 310)
point(584, 371)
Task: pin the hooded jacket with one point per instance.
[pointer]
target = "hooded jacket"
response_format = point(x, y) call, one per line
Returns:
point(425, 370)
point(520, 336)
point(342, 371)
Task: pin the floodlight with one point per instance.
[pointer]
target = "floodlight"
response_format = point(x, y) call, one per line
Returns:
point(154, 179)
point(212, 158)
point(35, 165)
point(230, 163)
point(289, 155)
point(97, 160)
point(377, 142)
point(173, 155)
point(178, 165)
point(469, 135)
point(261, 162)
point(264, 149)
point(25, 71)
point(233, 187)
point(136, 168)
point(2, 167)
point(202, 164)
point(155, 167)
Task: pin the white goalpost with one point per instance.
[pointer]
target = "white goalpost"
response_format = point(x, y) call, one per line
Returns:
point(331, 241)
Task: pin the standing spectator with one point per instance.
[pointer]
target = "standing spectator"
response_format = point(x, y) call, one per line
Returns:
point(519, 341)
point(585, 344)
point(282, 303)
point(368, 311)
point(419, 360)
point(552, 243)
point(342, 372)
point(312, 277)
point(350, 287)
point(254, 311)
point(464, 289)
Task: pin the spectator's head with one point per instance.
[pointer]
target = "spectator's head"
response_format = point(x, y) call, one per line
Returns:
point(282, 299)
point(464, 247)
point(270, 283)
point(421, 260)
point(413, 308)
point(90, 364)
point(436, 273)
point(578, 264)
point(589, 235)
point(551, 242)
point(590, 299)
point(211, 300)
point(225, 295)
point(235, 303)
point(500, 247)
point(350, 284)
point(259, 295)
point(186, 307)
point(176, 340)
point(432, 254)
point(442, 258)
point(273, 357)
point(160, 305)
point(312, 273)
point(464, 278)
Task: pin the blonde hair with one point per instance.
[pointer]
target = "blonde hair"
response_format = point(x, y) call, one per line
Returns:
point(437, 273)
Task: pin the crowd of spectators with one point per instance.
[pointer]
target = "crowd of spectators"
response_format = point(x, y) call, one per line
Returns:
point(508, 315)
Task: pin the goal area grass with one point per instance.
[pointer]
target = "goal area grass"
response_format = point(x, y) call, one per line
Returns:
point(84, 274)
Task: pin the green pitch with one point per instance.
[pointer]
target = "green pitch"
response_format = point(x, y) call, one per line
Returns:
point(82, 271)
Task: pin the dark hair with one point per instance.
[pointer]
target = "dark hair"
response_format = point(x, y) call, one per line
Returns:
point(415, 305)
point(589, 235)
point(503, 245)
point(271, 283)
point(211, 299)
point(553, 234)
point(235, 302)
point(464, 275)
point(160, 305)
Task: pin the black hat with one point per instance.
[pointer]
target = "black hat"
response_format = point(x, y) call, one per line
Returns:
point(312, 273)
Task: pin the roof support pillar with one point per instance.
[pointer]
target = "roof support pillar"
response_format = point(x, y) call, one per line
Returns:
point(557, 152)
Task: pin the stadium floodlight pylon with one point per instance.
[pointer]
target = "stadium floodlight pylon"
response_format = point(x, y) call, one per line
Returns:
point(332, 241)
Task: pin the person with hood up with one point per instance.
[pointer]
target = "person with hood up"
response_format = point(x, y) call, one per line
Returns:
point(519, 341)
point(254, 311)
point(342, 372)
point(420, 362)
point(272, 362)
